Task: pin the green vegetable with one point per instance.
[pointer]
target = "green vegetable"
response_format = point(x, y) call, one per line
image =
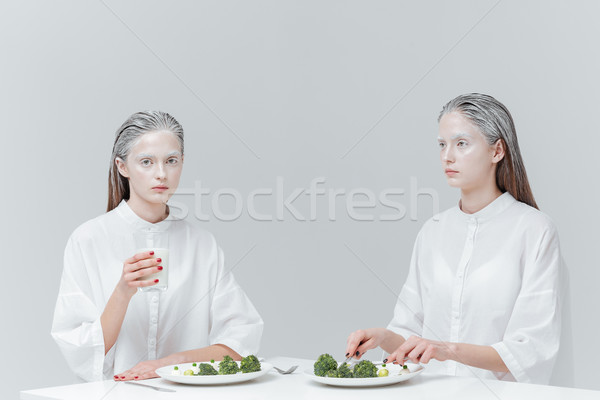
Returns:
point(212, 361)
point(207, 369)
point(228, 366)
point(382, 365)
point(188, 372)
point(332, 373)
point(176, 368)
point(344, 371)
point(404, 367)
point(324, 364)
point(383, 372)
point(365, 369)
point(194, 365)
point(250, 364)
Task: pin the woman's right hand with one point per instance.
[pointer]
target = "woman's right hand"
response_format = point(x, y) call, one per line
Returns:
point(364, 339)
point(138, 266)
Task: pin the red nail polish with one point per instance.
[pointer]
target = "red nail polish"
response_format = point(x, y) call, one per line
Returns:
point(160, 268)
point(151, 253)
point(122, 377)
point(158, 259)
point(115, 377)
point(135, 377)
point(156, 281)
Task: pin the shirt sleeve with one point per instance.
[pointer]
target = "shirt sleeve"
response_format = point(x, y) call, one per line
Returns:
point(76, 325)
point(408, 312)
point(235, 322)
point(532, 338)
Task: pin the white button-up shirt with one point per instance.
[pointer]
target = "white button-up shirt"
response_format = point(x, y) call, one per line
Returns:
point(202, 306)
point(488, 278)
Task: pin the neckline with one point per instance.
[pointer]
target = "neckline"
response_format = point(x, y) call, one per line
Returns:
point(133, 219)
point(497, 206)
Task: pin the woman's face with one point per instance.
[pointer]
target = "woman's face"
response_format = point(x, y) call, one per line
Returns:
point(153, 167)
point(469, 162)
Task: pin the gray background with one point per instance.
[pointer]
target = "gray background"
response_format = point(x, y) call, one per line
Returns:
point(269, 89)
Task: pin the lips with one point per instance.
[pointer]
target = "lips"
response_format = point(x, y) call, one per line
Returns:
point(450, 171)
point(160, 188)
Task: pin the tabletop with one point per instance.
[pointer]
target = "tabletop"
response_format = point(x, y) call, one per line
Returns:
point(299, 386)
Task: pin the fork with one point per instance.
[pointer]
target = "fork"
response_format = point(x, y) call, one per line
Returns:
point(287, 371)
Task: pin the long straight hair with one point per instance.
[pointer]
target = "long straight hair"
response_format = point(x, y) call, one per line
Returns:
point(495, 123)
point(126, 137)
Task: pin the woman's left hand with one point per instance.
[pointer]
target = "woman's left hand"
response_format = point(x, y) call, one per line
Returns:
point(419, 350)
point(144, 370)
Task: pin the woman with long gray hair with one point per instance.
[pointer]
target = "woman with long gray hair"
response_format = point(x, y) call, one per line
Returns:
point(482, 293)
point(108, 321)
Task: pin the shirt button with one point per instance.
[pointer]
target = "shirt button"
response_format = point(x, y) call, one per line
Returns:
point(151, 342)
point(155, 299)
point(154, 320)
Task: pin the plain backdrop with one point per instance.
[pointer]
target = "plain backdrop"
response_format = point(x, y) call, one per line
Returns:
point(288, 91)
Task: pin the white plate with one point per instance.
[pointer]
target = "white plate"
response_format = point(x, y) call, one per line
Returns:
point(393, 377)
point(167, 373)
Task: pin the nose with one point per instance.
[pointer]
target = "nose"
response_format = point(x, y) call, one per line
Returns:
point(447, 155)
point(160, 172)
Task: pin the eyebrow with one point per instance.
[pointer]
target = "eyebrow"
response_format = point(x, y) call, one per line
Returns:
point(146, 155)
point(458, 135)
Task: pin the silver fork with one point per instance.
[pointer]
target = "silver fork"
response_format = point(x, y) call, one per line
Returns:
point(287, 371)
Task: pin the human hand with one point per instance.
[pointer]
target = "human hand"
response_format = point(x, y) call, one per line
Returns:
point(364, 339)
point(420, 350)
point(143, 370)
point(139, 266)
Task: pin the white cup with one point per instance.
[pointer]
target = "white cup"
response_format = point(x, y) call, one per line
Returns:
point(159, 243)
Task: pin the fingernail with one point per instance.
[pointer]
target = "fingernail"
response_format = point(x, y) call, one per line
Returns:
point(357, 353)
point(135, 377)
point(156, 281)
point(384, 361)
point(122, 377)
point(115, 377)
point(151, 253)
point(347, 354)
point(158, 259)
point(160, 268)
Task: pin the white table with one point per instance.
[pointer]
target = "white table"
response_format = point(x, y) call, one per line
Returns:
point(298, 386)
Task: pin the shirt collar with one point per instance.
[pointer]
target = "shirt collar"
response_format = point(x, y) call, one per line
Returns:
point(497, 206)
point(133, 219)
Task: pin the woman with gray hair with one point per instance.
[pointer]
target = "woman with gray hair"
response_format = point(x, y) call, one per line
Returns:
point(108, 319)
point(482, 293)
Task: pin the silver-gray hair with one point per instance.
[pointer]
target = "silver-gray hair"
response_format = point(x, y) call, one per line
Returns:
point(126, 137)
point(495, 123)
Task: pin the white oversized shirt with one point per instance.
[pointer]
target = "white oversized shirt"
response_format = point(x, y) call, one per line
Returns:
point(202, 306)
point(488, 278)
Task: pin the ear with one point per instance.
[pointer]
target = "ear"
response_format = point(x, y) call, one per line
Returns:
point(499, 151)
point(122, 167)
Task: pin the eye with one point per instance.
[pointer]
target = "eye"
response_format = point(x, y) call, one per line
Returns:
point(172, 160)
point(441, 145)
point(462, 143)
point(145, 162)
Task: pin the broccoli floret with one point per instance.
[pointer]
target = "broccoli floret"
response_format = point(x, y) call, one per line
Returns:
point(332, 373)
point(365, 369)
point(324, 364)
point(228, 366)
point(344, 371)
point(250, 364)
point(206, 369)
